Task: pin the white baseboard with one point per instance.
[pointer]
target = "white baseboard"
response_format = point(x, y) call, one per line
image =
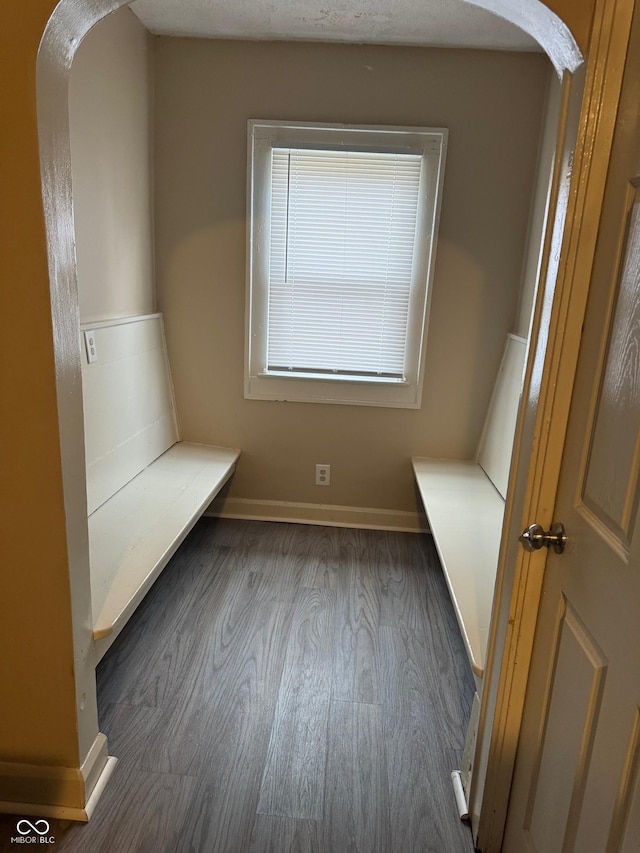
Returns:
point(466, 768)
point(65, 793)
point(99, 787)
point(328, 515)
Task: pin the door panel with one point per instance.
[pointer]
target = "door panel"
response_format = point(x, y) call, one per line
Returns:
point(578, 672)
point(576, 783)
point(626, 820)
point(610, 489)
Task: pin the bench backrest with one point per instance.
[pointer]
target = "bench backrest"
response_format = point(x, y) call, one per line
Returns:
point(129, 410)
point(496, 443)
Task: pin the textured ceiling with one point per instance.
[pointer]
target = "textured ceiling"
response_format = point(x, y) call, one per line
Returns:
point(451, 23)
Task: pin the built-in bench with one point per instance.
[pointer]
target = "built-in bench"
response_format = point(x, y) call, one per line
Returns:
point(464, 503)
point(145, 487)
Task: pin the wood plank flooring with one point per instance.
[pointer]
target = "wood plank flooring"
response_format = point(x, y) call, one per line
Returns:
point(284, 688)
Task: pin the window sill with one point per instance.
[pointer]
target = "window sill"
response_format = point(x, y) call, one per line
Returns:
point(331, 377)
point(399, 394)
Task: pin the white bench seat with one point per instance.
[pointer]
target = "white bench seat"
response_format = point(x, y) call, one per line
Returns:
point(464, 501)
point(465, 513)
point(134, 534)
point(145, 488)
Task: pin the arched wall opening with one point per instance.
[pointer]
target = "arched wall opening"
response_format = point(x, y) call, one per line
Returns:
point(70, 22)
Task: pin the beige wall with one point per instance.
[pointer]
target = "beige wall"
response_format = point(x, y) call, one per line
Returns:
point(109, 112)
point(492, 104)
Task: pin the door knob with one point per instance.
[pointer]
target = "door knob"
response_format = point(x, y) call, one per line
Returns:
point(535, 537)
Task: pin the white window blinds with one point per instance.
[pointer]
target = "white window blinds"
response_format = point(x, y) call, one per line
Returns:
point(341, 261)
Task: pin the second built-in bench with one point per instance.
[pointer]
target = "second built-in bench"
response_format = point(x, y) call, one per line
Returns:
point(464, 503)
point(145, 488)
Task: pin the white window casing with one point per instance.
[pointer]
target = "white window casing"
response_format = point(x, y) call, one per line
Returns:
point(340, 254)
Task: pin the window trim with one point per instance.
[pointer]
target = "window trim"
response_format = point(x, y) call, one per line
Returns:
point(263, 135)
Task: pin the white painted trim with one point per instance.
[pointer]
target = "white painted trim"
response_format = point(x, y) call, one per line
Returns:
point(536, 19)
point(121, 439)
point(94, 765)
point(99, 787)
point(69, 23)
point(326, 515)
point(263, 135)
point(119, 321)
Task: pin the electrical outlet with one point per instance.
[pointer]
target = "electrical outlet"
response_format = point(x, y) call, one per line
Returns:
point(90, 344)
point(323, 475)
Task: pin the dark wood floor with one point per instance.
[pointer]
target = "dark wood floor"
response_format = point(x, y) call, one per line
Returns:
point(284, 688)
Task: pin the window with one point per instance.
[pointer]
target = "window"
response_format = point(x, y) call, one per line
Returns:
point(340, 254)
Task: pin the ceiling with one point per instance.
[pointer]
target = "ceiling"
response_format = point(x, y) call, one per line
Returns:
point(436, 23)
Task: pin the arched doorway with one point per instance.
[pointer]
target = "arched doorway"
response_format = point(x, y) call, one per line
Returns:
point(65, 30)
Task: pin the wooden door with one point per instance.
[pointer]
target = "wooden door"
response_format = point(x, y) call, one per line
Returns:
point(576, 785)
